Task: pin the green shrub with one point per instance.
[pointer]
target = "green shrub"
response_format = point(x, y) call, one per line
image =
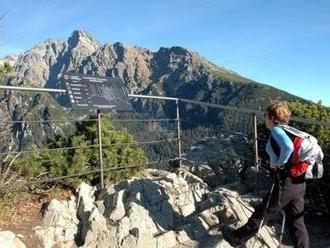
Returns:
point(119, 150)
point(4, 70)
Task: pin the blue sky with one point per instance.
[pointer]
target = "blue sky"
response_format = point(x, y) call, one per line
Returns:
point(283, 43)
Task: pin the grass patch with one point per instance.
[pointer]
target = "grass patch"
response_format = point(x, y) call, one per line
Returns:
point(8, 200)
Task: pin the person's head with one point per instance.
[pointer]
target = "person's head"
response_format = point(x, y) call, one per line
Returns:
point(277, 113)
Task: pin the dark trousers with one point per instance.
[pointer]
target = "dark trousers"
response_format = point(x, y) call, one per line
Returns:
point(288, 194)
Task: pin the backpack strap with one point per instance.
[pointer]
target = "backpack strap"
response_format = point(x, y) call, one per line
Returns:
point(297, 167)
point(296, 145)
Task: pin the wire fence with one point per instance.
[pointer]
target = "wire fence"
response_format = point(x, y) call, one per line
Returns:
point(196, 133)
point(89, 146)
point(156, 136)
point(36, 181)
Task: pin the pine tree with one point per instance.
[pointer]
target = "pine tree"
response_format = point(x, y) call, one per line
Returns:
point(4, 70)
point(119, 150)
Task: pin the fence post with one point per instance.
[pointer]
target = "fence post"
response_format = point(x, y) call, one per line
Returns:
point(100, 145)
point(255, 148)
point(179, 131)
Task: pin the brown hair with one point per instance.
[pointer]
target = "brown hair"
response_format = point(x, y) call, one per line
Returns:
point(279, 112)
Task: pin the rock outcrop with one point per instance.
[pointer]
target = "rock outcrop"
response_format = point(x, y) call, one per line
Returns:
point(10, 240)
point(163, 210)
point(220, 160)
point(41, 65)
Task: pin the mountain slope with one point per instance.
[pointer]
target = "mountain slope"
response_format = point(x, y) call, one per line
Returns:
point(173, 71)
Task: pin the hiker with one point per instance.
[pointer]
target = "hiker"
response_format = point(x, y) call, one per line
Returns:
point(287, 192)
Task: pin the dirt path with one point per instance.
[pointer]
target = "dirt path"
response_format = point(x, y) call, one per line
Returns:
point(27, 215)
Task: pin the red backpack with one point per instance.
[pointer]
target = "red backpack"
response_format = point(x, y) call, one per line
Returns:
point(307, 154)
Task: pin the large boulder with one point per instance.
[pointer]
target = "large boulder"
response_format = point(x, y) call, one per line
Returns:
point(10, 240)
point(146, 212)
point(60, 224)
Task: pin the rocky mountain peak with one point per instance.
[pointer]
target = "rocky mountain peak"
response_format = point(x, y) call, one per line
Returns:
point(119, 44)
point(82, 38)
point(177, 50)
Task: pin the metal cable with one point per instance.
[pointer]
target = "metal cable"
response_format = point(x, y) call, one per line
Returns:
point(50, 149)
point(135, 135)
point(206, 104)
point(251, 111)
point(89, 120)
point(142, 120)
point(118, 168)
point(48, 121)
point(216, 129)
point(96, 145)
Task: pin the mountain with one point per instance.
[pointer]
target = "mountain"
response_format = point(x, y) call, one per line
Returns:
point(174, 71)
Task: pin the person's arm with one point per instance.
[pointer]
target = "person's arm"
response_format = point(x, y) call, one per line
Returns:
point(272, 156)
point(285, 144)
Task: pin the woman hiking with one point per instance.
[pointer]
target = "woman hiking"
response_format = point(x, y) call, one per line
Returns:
point(287, 192)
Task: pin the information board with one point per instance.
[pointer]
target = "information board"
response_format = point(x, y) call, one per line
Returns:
point(93, 92)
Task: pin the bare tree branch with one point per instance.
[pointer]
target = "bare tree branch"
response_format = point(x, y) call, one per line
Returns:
point(8, 168)
point(4, 15)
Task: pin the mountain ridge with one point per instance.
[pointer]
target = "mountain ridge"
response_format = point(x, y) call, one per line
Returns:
point(138, 67)
point(81, 39)
point(175, 72)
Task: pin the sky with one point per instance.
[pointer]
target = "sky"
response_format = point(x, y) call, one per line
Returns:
point(283, 43)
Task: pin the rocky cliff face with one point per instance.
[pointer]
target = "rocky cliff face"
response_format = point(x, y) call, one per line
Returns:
point(18, 113)
point(40, 66)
